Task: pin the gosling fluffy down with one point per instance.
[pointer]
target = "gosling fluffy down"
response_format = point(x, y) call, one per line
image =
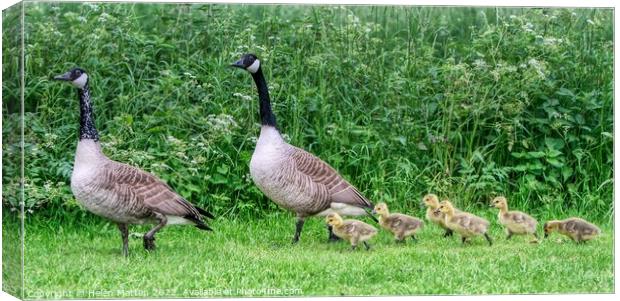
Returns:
point(353, 231)
point(465, 224)
point(431, 201)
point(515, 222)
point(579, 230)
point(401, 225)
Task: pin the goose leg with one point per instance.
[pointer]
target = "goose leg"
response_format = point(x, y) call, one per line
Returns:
point(125, 236)
point(149, 237)
point(298, 227)
point(488, 239)
point(332, 236)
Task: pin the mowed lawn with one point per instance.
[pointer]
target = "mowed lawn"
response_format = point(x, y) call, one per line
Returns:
point(255, 258)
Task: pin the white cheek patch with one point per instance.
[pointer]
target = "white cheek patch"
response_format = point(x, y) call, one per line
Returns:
point(80, 82)
point(254, 67)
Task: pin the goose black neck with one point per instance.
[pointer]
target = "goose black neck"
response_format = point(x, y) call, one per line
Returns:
point(87, 118)
point(266, 114)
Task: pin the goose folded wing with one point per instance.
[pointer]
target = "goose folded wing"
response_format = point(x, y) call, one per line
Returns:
point(151, 192)
point(321, 174)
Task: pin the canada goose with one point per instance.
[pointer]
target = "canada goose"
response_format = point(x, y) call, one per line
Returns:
point(579, 230)
point(516, 222)
point(351, 230)
point(432, 203)
point(295, 179)
point(117, 191)
point(466, 224)
point(401, 225)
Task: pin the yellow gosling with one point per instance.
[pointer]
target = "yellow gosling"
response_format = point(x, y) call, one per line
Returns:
point(579, 230)
point(515, 222)
point(353, 231)
point(401, 225)
point(432, 215)
point(463, 223)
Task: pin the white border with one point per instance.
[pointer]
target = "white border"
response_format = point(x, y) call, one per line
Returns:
point(513, 3)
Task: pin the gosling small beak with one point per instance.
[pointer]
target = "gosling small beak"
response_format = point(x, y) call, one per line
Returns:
point(63, 77)
point(373, 211)
point(238, 64)
point(437, 211)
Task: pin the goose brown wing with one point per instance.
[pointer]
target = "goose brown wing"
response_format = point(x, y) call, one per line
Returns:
point(144, 189)
point(321, 175)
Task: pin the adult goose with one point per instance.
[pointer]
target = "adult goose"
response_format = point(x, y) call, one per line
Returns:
point(295, 179)
point(119, 192)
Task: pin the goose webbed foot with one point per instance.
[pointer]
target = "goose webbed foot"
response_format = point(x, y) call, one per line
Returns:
point(149, 243)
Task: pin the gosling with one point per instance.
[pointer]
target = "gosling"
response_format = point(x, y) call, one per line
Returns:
point(465, 224)
point(432, 203)
point(515, 222)
point(579, 230)
point(352, 230)
point(401, 225)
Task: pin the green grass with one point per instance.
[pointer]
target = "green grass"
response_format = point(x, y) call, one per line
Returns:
point(78, 259)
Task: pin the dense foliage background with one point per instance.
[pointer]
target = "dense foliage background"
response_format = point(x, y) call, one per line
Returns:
point(464, 102)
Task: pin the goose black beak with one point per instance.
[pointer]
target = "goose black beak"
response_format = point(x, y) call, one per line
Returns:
point(238, 64)
point(63, 77)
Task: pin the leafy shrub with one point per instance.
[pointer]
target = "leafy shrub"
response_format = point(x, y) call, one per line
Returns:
point(465, 102)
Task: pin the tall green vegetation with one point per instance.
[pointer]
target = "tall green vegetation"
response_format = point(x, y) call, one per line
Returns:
point(463, 102)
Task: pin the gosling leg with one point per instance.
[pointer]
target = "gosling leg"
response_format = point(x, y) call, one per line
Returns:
point(298, 227)
point(415, 239)
point(509, 235)
point(125, 236)
point(488, 239)
point(448, 233)
point(463, 240)
point(367, 246)
point(332, 236)
point(535, 241)
point(149, 237)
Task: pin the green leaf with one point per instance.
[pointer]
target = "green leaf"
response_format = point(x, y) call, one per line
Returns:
point(222, 169)
point(567, 172)
point(555, 162)
point(536, 155)
point(554, 143)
